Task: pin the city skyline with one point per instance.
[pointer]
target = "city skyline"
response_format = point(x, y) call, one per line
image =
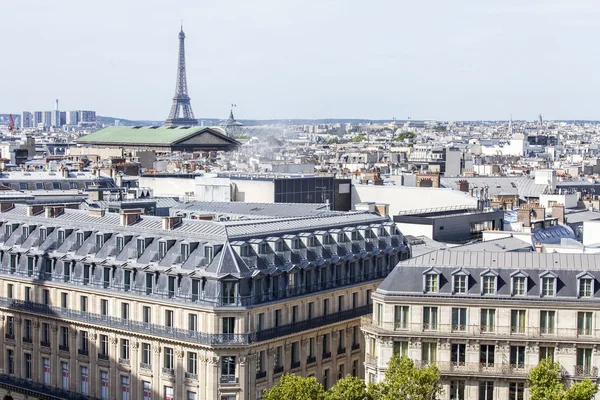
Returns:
point(308, 59)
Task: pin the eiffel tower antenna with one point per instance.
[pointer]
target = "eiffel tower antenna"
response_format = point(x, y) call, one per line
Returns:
point(181, 111)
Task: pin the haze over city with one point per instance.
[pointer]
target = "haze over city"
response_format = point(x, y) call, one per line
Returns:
point(306, 59)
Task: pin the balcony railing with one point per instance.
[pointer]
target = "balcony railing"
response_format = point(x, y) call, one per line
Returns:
point(168, 371)
point(63, 347)
point(371, 359)
point(44, 343)
point(102, 356)
point(9, 336)
point(326, 355)
point(489, 331)
point(311, 359)
point(261, 375)
point(502, 369)
point(278, 370)
point(83, 352)
point(355, 346)
point(27, 339)
point(341, 350)
point(124, 361)
point(295, 364)
point(39, 390)
point(229, 379)
point(146, 366)
point(191, 376)
point(585, 371)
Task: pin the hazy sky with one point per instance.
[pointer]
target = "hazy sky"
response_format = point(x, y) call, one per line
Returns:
point(443, 59)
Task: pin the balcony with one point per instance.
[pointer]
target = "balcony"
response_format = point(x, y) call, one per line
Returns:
point(124, 361)
point(261, 375)
point(44, 343)
point(371, 360)
point(168, 371)
point(27, 339)
point(229, 379)
point(83, 352)
point(295, 364)
point(102, 356)
point(585, 371)
point(146, 366)
point(341, 350)
point(311, 359)
point(39, 390)
point(191, 376)
point(63, 347)
point(355, 346)
point(326, 355)
point(9, 336)
point(474, 368)
point(278, 370)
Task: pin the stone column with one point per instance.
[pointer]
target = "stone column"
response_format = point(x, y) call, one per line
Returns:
point(113, 375)
point(73, 361)
point(303, 355)
point(55, 371)
point(242, 373)
point(37, 359)
point(93, 371)
point(180, 374)
point(212, 377)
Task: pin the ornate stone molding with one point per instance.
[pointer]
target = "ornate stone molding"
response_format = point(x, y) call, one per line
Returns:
point(35, 325)
point(271, 352)
point(304, 342)
point(319, 339)
point(54, 328)
point(156, 349)
point(335, 335)
point(180, 354)
point(287, 348)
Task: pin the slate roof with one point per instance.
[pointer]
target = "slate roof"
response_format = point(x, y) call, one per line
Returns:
point(407, 277)
point(149, 135)
point(251, 210)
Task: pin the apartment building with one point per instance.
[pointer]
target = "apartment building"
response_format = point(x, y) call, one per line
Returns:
point(128, 306)
point(486, 318)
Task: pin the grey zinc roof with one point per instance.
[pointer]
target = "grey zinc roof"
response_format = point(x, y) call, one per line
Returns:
point(502, 244)
point(252, 210)
point(502, 185)
point(407, 277)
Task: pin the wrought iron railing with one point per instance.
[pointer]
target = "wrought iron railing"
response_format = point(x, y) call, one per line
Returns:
point(39, 390)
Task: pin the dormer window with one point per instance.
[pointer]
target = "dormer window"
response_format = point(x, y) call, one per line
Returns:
point(162, 249)
point(326, 239)
point(311, 241)
point(296, 244)
point(99, 240)
point(43, 234)
point(185, 251)
point(244, 251)
point(208, 253)
point(382, 231)
point(489, 281)
point(354, 235)
point(262, 248)
point(140, 246)
point(80, 239)
point(585, 285)
point(8, 229)
point(459, 281)
point(519, 283)
point(61, 236)
point(120, 243)
point(280, 246)
point(548, 286)
point(431, 280)
point(341, 237)
point(25, 232)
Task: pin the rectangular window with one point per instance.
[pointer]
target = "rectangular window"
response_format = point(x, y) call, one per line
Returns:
point(83, 303)
point(547, 322)
point(517, 321)
point(193, 322)
point(379, 314)
point(120, 243)
point(104, 307)
point(431, 283)
point(46, 333)
point(428, 352)
point(260, 323)
point(46, 371)
point(228, 292)
point(28, 294)
point(400, 317)
point(228, 325)
point(294, 314)
point(519, 286)
point(61, 237)
point(10, 327)
point(27, 330)
point(124, 349)
point(83, 372)
point(487, 355)
point(457, 390)
point(64, 338)
point(169, 318)
point(64, 300)
point(146, 354)
point(517, 356)
point(311, 307)
point(401, 348)
point(488, 319)
point(125, 310)
point(28, 366)
point(325, 307)
point(546, 352)
point(64, 367)
point(9, 290)
point(162, 250)
point(516, 391)
point(127, 280)
point(46, 296)
point(43, 235)
point(208, 254)
point(103, 345)
point(168, 361)
point(192, 366)
point(489, 285)
point(585, 287)
point(459, 319)
point(430, 318)
point(228, 368)
point(104, 385)
point(277, 321)
point(584, 323)
point(84, 343)
point(124, 387)
point(86, 274)
point(140, 246)
point(146, 390)
point(458, 354)
point(584, 361)
point(486, 390)
point(460, 284)
point(10, 361)
point(548, 287)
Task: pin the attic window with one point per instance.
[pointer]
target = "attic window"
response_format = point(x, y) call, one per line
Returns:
point(80, 239)
point(208, 253)
point(162, 249)
point(61, 236)
point(431, 280)
point(262, 248)
point(280, 246)
point(185, 251)
point(244, 251)
point(25, 232)
point(43, 234)
point(120, 243)
point(585, 285)
point(548, 286)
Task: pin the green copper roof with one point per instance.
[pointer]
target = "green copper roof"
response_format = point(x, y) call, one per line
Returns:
point(160, 135)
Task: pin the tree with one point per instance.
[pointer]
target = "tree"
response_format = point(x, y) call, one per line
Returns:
point(348, 388)
point(405, 135)
point(359, 138)
point(292, 387)
point(544, 383)
point(404, 381)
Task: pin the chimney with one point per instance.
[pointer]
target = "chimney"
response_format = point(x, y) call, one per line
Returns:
point(56, 105)
point(130, 217)
point(524, 216)
point(382, 209)
point(96, 195)
point(558, 212)
point(169, 223)
point(65, 172)
point(538, 247)
point(54, 211)
point(96, 212)
point(34, 210)
point(463, 185)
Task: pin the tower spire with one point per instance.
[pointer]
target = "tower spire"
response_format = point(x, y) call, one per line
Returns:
point(181, 111)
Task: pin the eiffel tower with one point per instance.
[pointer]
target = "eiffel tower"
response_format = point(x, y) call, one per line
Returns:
point(181, 100)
